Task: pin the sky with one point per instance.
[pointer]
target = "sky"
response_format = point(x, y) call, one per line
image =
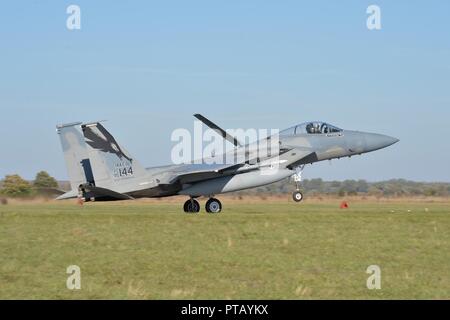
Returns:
point(148, 66)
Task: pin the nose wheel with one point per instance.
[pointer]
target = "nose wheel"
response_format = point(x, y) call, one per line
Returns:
point(297, 196)
point(191, 206)
point(213, 206)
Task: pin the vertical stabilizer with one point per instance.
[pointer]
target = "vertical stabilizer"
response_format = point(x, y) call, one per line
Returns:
point(112, 166)
point(75, 155)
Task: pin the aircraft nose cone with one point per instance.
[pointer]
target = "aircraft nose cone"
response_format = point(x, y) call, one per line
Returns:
point(392, 140)
point(379, 141)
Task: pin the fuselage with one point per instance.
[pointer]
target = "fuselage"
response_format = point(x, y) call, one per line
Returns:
point(325, 146)
point(100, 169)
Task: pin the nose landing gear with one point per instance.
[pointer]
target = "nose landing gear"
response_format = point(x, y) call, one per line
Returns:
point(297, 195)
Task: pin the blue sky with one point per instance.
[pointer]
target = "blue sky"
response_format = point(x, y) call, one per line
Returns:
point(147, 66)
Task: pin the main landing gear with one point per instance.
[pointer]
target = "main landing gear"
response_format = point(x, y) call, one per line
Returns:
point(191, 206)
point(297, 195)
point(212, 206)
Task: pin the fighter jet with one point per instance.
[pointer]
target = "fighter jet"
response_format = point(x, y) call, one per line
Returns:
point(100, 169)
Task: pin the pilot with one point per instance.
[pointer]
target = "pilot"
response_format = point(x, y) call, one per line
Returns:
point(310, 128)
point(317, 128)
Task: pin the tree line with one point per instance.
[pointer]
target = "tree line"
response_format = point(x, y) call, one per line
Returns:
point(15, 186)
point(389, 188)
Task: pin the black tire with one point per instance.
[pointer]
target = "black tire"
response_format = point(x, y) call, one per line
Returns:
point(297, 196)
point(191, 206)
point(213, 206)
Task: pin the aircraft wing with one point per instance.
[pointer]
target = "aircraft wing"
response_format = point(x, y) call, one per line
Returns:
point(190, 173)
point(289, 158)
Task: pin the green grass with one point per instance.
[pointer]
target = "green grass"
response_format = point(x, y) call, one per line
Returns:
point(265, 251)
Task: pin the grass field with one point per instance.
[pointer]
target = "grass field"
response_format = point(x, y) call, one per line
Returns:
point(259, 250)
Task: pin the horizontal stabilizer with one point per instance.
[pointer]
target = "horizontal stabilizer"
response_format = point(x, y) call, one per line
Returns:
point(49, 191)
point(72, 194)
point(103, 193)
point(95, 192)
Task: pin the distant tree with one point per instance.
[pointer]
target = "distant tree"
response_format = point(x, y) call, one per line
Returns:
point(316, 184)
point(44, 180)
point(443, 191)
point(374, 191)
point(350, 186)
point(335, 184)
point(15, 186)
point(362, 186)
point(430, 192)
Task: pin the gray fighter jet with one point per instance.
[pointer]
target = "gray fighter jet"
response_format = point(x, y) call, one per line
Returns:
point(101, 170)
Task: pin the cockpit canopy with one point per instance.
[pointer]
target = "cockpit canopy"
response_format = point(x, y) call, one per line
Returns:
point(314, 127)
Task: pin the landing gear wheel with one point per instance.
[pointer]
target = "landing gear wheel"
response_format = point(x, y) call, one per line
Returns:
point(213, 206)
point(297, 196)
point(191, 206)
